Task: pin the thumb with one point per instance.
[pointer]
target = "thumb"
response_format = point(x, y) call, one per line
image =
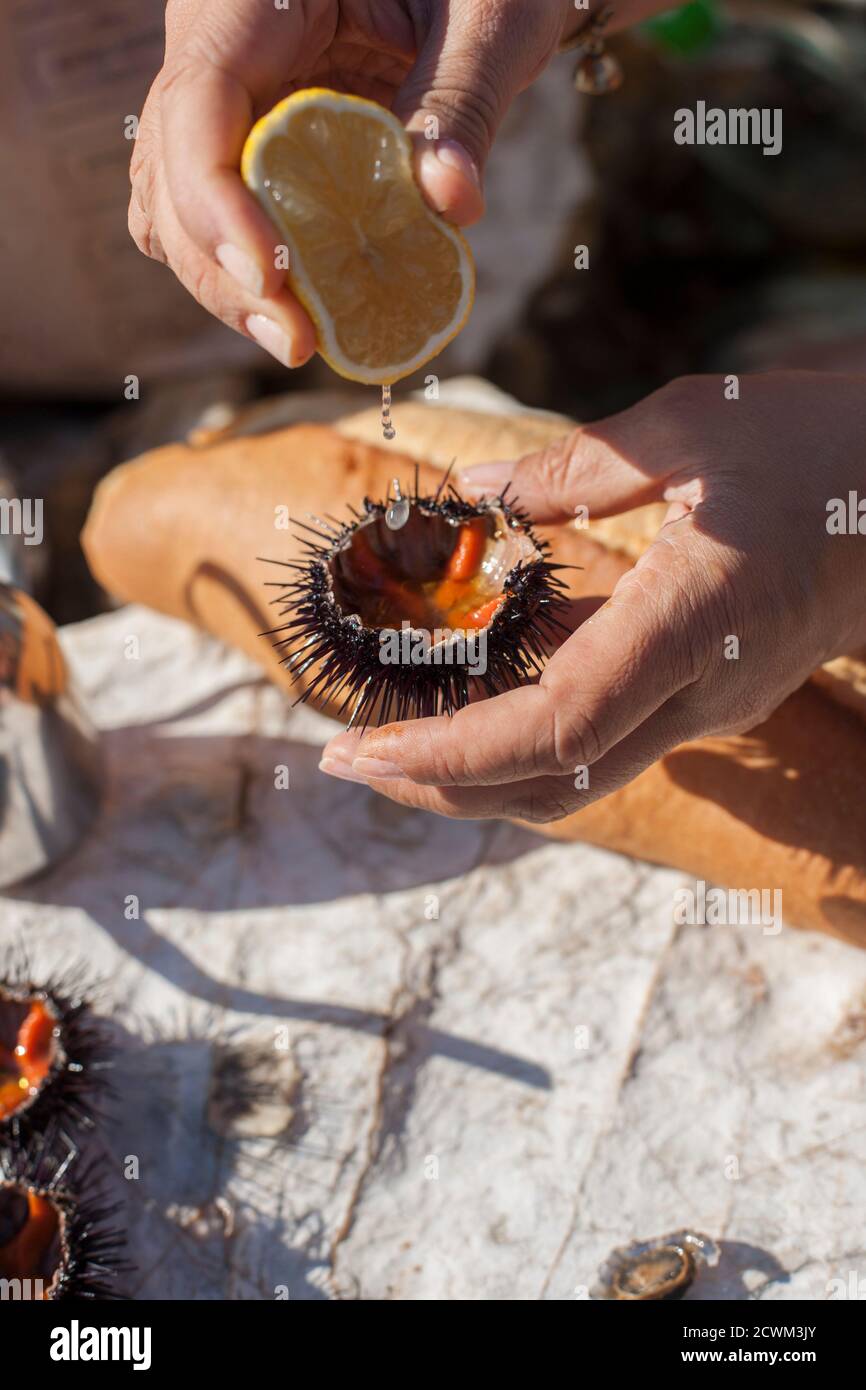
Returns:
point(473, 61)
point(610, 466)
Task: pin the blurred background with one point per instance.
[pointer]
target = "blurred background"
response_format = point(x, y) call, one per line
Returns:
point(701, 259)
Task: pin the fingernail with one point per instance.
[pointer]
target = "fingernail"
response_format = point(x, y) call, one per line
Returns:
point(342, 748)
point(380, 771)
point(272, 338)
point(333, 768)
point(241, 267)
point(485, 477)
point(452, 153)
point(438, 184)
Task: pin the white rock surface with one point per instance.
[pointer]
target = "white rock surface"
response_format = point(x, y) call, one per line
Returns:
point(498, 1057)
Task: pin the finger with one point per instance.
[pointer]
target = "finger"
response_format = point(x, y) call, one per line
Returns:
point(279, 325)
point(638, 456)
point(640, 648)
point(217, 76)
point(540, 800)
point(472, 63)
point(610, 466)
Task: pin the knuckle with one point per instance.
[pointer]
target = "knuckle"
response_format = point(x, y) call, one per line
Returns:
point(447, 758)
point(541, 807)
point(148, 126)
point(142, 198)
point(453, 767)
point(694, 639)
point(750, 708)
point(206, 283)
point(473, 110)
point(140, 156)
point(572, 737)
point(685, 607)
point(196, 279)
point(142, 229)
point(555, 469)
point(174, 75)
point(576, 739)
point(569, 469)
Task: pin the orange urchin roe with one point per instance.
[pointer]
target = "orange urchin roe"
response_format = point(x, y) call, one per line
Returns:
point(30, 1063)
point(23, 1256)
point(35, 1043)
point(483, 616)
point(437, 580)
point(457, 595)
point(12, 1092)
point(468, 553)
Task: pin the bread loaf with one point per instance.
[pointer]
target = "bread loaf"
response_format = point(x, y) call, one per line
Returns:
point(781, 808)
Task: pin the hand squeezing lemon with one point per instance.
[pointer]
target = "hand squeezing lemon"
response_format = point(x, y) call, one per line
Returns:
point(387, 282)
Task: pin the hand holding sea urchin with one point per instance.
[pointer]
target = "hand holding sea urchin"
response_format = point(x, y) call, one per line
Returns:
point(417, 604)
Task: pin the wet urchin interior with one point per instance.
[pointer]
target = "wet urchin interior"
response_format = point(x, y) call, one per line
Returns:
point(57, 1235)
point(416, 603)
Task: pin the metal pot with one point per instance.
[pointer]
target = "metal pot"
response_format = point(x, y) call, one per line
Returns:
point(50, 764)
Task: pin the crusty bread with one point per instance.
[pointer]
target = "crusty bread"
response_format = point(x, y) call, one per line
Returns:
point(440, 435)
point(182, 529)
point(782, 808)
point(778, 808)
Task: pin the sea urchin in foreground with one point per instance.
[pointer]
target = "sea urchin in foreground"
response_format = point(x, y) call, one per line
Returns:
point(53, 1055)
point(417, 603)
point(57, 1240)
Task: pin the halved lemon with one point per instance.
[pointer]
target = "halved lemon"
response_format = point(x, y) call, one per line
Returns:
point(386, 281)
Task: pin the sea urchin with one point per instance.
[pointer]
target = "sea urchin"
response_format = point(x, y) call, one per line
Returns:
point(53, 1056)
point(418, 603)
point(57, 1240)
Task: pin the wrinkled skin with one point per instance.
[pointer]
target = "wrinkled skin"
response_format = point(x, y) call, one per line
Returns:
point(745, 553)
point(228, 61)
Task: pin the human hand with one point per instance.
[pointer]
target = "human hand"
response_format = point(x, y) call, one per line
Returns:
point(227, 62)
point(745, 591)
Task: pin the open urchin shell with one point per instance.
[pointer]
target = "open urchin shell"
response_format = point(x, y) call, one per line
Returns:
point(57, 1237)
point(53, 1055)
point(655, 1270)
point(470, 578)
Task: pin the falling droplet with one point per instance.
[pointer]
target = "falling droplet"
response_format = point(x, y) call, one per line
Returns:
point(397, 513)
point(388, 429)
